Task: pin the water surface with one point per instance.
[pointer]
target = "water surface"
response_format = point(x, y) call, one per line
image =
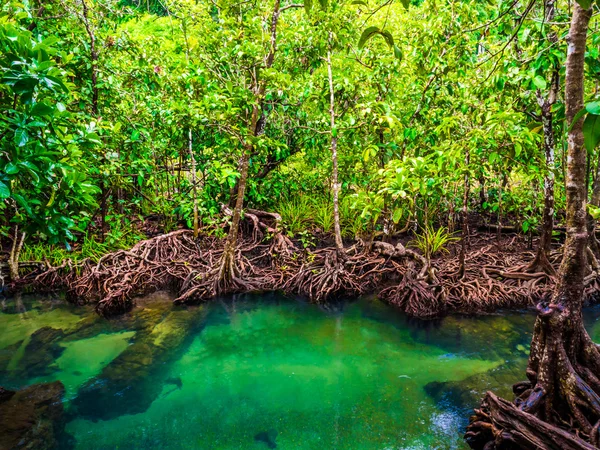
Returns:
point(261, 372)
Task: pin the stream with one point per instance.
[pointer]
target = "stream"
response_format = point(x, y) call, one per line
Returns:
point(263, 371)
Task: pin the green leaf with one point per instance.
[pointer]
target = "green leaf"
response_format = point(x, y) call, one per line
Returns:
point(578, 116)
point(359, 2)
point(397, 215)
point(594, 211)
point(398, 53)
point(4, 190)
point(11, 168)
point(307, 5)
point(539, 82)
point(593, 108)
point(21, 201)
point(591, 132)
point(373, 31)
point(21, 137)
point(41, 109)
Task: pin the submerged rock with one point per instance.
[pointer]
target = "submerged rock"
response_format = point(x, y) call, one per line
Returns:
point(40, 353)
point(267, 437)
point(467, 394)
point(175, 381)
point(133, 380)
point(5, 394)
point(33, 418)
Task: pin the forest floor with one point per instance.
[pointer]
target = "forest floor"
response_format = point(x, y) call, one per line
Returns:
point(495, 274)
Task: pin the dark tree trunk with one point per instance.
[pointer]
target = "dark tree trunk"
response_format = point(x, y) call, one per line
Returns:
point(541, 261)
point(482, 193)
point(559, 406)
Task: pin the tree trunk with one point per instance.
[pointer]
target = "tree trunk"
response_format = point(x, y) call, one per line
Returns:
point(15, 253)
point(482, 193)
point(93, 57)
point(465, 216)
point(564, 363)
point(334, 157)
point(194, 182)
point(541, 262)
point(227, 270)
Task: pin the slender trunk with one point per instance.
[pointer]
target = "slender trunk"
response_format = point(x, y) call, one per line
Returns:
point(15, 253)
point(227, 263)
point(543, 252)
point(499, 214)
point(541, 260)
point(482, 193)
point(232, 238)
point(334, 157)
point(194, 182)
point(103, 209)
point(93, 57)
point(95, 110)
point(465, 211)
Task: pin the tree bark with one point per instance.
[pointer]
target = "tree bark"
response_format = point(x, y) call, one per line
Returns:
point(541, 262)
point(564, 364)
point(227, 268)
point(93, 57)
point(334, 156)
point(15, 253)
point(465, 216)
point(194, 181)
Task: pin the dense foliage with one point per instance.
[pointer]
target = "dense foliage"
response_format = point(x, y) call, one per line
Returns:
point(108, 105)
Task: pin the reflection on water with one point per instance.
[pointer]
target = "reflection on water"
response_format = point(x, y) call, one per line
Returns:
point(264, 372)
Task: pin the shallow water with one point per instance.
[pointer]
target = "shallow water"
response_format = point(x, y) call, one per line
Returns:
point(264, 372)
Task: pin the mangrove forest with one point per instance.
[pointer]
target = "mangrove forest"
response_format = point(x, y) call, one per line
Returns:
point(298, 224)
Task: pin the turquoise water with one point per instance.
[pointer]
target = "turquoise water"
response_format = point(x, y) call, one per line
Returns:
point(263, 372)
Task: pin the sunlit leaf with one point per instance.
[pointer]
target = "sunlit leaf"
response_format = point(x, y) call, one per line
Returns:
point(591, 132)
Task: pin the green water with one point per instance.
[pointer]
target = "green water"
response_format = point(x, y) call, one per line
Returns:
point(264, 372)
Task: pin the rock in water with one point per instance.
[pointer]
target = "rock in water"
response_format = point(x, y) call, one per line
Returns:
point(134, 379)
point(268, 437)
point(5, 394)
point(41, 352)
point(33, 419)
point(176, 381)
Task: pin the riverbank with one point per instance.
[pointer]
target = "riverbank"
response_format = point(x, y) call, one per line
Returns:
point(495, 272)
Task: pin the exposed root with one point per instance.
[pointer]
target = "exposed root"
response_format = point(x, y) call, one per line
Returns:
point(559, 406)
point(266, 259)
point(500, 424)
